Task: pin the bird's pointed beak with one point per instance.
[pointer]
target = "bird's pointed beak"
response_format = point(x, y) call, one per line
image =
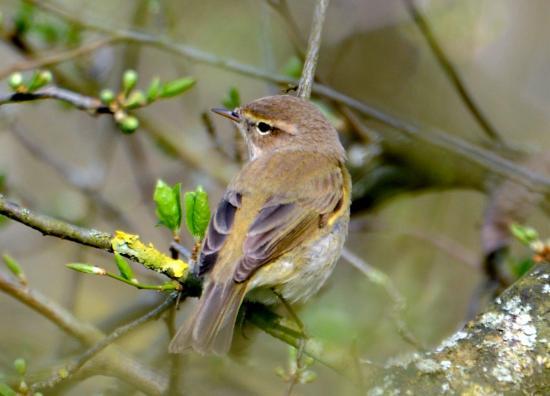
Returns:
point(231, 114)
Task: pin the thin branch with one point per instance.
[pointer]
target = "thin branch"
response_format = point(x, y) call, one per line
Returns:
point(398, 301)
point(127, 245)
point(176, 359)
point(312, 53)
point(73, 367)
point(117, 363)
point(451, 72)
point(50, 226)
point(81, 102)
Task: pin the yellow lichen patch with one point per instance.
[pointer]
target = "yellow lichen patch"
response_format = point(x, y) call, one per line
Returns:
point(130, 246)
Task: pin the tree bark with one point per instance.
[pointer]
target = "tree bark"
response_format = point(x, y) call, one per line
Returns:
point(504, 350)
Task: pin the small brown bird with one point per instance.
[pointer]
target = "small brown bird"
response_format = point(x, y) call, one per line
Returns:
point(281, 223)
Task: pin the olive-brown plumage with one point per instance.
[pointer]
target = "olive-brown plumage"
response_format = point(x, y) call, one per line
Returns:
point(281, 223)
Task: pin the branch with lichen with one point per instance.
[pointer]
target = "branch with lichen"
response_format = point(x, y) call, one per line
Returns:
point(128, 245)
point(504, 350)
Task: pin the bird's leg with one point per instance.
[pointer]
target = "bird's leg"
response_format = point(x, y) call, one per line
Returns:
point(292, 314)
point(180, 249)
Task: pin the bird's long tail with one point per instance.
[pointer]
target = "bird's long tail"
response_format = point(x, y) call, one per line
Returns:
point(209, 330)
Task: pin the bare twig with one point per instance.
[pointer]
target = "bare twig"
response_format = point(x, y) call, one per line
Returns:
point(73, 367)
point(49, 226)
point(451, 72)
point(312, 54)
point(81, 102)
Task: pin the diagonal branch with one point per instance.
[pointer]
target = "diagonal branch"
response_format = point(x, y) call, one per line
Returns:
point(50, 226)
point(104, 343)
point(312, 54)
point(81, 102)
point(117, 363)
point(127, 245)
point(451, 72)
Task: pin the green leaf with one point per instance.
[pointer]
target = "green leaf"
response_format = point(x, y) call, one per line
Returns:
point(197, 212)
point(40, 79)
point(153, 90)
point(232, 100)
point(136, 99)
point(124, 268)
point(5, 390)
point(168, 205)
point(129, 80)
point(521, 267)
point(308, 377)
point(176, 87)
point(24, 18)
point(3, 178)
point(20, 366)
point(14, 267)
point(524, 234)
point(86, 268)
point(293, 68)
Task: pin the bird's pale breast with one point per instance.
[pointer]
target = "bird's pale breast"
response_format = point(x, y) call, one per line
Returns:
point(301, 272)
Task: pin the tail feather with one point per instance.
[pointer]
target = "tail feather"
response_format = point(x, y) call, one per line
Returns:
point(210, 328)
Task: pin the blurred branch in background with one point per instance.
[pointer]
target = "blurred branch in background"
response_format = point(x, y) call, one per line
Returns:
point(74, 366)
point(116, 362)
point(60, 57)
point(88, 183)
point(452, 73)
point(399, 303)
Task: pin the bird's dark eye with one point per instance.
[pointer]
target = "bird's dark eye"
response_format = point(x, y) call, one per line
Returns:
point(263, 127)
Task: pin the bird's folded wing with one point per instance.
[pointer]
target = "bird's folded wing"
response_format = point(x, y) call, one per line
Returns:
point(293, 206)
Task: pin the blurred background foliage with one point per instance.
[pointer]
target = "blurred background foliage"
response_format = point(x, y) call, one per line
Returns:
point(427, 239)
